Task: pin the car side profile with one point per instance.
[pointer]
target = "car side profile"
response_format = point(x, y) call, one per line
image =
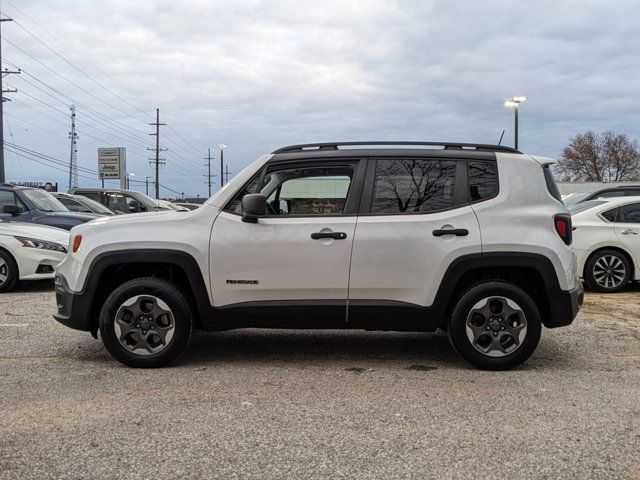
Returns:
point(29, 252)
point(405, 236)
point(34, 205)
point(607, 242)
point(120, 201)
point(626, 190)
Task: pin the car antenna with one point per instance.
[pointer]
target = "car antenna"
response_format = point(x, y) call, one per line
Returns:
point(502, 135)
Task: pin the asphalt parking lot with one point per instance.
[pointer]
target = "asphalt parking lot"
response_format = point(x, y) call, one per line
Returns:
point(288, 404)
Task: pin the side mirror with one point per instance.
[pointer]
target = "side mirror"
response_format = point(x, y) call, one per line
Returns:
point(12, 210)
point(254, 205)
point(134, 207)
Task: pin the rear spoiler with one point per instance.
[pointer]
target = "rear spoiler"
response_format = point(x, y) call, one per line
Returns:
point(544, 161)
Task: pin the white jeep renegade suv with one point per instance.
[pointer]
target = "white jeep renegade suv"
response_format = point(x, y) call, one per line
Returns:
point(407, 236)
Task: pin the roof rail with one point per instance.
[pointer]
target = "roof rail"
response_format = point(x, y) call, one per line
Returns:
point(445, 145)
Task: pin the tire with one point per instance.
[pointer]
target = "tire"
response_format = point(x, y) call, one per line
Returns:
point(607, 271)
point(509, 333)
point(8, 272)
point(146, 322)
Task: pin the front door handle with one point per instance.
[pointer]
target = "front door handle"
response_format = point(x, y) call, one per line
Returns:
point(458, 232)
point(334, 235)
point(628, 231)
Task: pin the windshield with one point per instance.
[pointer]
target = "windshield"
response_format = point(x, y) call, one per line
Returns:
point(93, 205)
point(576, 198)
point(44, 201)
point(147, 201)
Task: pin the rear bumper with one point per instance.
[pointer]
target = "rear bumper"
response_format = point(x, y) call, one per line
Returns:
point(564, 306)
point(73, 308)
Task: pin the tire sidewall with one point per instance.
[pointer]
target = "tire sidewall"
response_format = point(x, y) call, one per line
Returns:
point(12, 272)
point(458, 321)
point(169, 294)
point(590, 279)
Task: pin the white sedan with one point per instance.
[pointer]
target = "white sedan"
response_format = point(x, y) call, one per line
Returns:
point(29, 252)
point(606, 239)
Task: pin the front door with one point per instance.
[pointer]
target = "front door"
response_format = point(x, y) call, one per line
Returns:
point(293, 264)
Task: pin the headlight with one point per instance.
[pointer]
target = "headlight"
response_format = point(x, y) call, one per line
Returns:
point(41, 244)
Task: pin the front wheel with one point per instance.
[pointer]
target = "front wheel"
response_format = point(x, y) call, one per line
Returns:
point(495, 325)
point(146, 322)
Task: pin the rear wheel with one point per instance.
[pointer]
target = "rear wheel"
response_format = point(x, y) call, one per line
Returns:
point(607, 271)
point(8, 272)
point(146, 322)
point(495, 325)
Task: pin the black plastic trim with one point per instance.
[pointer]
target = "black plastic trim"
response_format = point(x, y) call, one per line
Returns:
point(78, 309)
point(445, 145)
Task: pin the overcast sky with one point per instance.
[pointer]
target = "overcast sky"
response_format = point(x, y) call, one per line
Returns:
point(257, 75)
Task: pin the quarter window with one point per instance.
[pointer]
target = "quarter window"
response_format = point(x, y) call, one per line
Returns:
point(629, 213)
point(413, 185)
point(483, 180)
point(609, 215)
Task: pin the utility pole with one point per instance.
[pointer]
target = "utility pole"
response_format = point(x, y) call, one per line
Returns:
point(73, 154)
point(157, 160)
point(2, 100)
point(209, 175)
point(226, 173)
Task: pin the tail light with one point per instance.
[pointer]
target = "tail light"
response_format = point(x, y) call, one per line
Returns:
point(562, 222)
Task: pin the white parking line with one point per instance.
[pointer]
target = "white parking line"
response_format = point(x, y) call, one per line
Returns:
point(14, 324)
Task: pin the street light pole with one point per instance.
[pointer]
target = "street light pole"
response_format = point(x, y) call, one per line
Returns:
point(221, 146)
point(515, 102)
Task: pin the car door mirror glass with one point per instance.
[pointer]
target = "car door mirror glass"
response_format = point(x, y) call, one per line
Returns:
point(254, 206)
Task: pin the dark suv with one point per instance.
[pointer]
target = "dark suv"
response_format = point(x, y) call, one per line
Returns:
point(120, 201)
point(33, 205)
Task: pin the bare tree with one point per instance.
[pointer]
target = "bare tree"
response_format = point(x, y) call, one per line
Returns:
point(606, 157)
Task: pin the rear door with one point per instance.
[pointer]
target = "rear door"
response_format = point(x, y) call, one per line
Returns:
point(402, 245)
point(627, 228)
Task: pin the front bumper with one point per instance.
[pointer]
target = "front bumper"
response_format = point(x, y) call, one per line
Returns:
point(36, 264)
point(564, 306)
point(73, 308)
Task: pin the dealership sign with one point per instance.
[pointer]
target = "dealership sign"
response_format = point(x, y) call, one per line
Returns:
point(112, 163)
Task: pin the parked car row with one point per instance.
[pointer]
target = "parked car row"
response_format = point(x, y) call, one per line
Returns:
point(34, 225)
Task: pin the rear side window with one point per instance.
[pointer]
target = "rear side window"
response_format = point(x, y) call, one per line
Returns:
point(551, 183)
point(629, 213)
point(610, 194)
point(408, 185)
point(97, 196)
point(483, 180)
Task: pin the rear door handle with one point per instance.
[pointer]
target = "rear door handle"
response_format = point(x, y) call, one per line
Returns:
point(628, 231)
point(334, 235)
point(458, 232)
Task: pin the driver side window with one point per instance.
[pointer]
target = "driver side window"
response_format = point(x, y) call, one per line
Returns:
point(7, 197)
point(308, 190)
